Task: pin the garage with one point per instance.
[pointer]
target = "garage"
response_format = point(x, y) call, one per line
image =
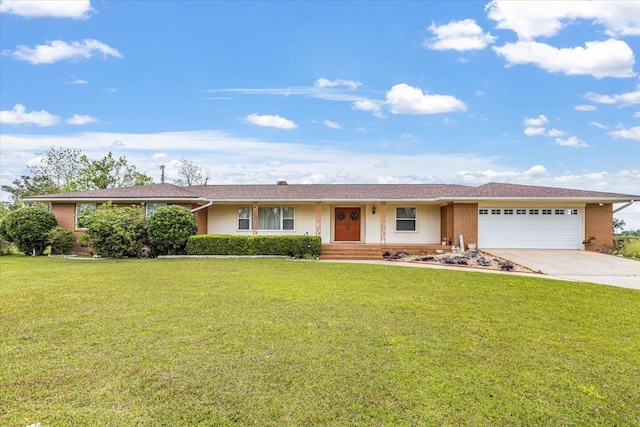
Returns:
point(530, 228)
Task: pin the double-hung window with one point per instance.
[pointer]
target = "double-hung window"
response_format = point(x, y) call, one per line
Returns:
point(244, 218)
point(406, 219)
point(81, 207)
point(269, 218)
point(152, 207)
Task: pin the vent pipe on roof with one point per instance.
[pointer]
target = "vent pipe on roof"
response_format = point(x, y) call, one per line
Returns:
point(283, 183)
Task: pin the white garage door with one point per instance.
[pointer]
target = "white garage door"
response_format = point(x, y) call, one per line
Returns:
point(530, 228)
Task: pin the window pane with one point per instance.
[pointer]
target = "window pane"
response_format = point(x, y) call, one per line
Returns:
point(152, 207)
point(83, 207)
point(287, 224)
point(405, 225)
point(408, 213)
point(288, 212)
point(269, 218)
point(244, 218)
point(244, 212)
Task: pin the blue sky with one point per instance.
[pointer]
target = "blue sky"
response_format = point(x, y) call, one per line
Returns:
point(542, 93)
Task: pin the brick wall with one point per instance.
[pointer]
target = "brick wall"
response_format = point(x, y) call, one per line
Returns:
point(65, 214)
point(598, 227)
point(465, 221)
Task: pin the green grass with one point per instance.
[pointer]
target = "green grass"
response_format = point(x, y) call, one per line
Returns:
point(271, 342)
point(632, 250)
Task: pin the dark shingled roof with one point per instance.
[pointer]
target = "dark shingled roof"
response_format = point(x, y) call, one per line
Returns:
point(330, 191)
point(151, 191)
point(322, 192)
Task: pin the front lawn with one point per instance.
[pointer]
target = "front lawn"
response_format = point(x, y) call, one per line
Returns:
point(272, 342)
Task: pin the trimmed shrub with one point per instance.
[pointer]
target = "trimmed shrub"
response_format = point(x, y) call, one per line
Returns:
point(61, 239)
point(113, 231)
point(169, 229)
point(293, 246)
point(28, 229)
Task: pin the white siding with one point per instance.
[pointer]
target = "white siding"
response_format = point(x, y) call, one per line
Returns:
point(427, 225)
point(223, 219)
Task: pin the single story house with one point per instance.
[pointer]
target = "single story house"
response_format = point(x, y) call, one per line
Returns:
point(379, 216)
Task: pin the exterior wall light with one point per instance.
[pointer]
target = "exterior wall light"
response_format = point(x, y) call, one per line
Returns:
point(373, 210)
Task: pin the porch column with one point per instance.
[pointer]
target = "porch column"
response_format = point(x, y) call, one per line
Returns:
point(255, 218)
point(383, 222)
point(318, 219)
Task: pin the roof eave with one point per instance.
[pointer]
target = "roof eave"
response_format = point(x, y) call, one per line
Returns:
point(116, 199)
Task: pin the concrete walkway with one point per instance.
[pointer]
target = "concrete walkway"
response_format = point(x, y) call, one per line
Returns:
point(576, 265)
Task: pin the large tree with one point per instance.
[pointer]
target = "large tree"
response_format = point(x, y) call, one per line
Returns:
point(190, 174)
point(63, 170)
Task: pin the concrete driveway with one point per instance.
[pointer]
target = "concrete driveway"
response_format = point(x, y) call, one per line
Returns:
point(577, 265)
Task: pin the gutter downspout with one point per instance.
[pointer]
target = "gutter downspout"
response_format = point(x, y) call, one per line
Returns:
point(626, 205)
point(202, 207)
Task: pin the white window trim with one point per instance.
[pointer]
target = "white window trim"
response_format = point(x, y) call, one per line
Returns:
point(282, 219)
point(75, 216)
point(415, 220)
point(238, 219)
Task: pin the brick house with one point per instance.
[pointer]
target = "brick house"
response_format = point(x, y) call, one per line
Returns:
point(378, 217)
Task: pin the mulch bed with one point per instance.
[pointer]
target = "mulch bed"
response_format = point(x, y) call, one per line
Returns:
point(473, 259)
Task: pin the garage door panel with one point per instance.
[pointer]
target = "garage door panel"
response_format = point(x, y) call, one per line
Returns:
point(556, 229)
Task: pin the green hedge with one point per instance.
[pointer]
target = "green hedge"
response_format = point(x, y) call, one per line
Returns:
point(217, 244)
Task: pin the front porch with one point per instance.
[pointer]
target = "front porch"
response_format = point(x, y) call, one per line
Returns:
point(362, 251)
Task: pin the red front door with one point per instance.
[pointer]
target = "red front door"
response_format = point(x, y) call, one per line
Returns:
point(347, 224)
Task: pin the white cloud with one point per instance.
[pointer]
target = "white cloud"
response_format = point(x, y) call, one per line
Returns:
point(631, 133)
point(405, 99)
point(537, 170)
point(59, 50)
point(622, 99)
point(78, 82)
point(534, 131)
point(458, 35)
point(556, 133)
point(541, 120)
point(368, 105)
point(636, 114)
point(332, 125)
point(572, 141)
point(351, 84)
point(158, 156)
point(18, 115)
point(77, 9)
point(78, 119)
point(531, 19)
point(598, 125)
point(584, 107)
point(609, 58)
point(272, 121)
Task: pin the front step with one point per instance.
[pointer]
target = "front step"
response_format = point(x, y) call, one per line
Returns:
point(361, 251)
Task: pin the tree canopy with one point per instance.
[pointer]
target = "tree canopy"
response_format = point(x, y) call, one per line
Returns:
point(62, 170)
point(190, 174)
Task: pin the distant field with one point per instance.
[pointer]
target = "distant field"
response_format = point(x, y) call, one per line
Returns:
point(272, 342)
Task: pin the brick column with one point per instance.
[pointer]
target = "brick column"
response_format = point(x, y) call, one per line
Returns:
point(255, 218)
point(598, 227)
point(318, 218)
point(465, 221)
point(383, 222)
